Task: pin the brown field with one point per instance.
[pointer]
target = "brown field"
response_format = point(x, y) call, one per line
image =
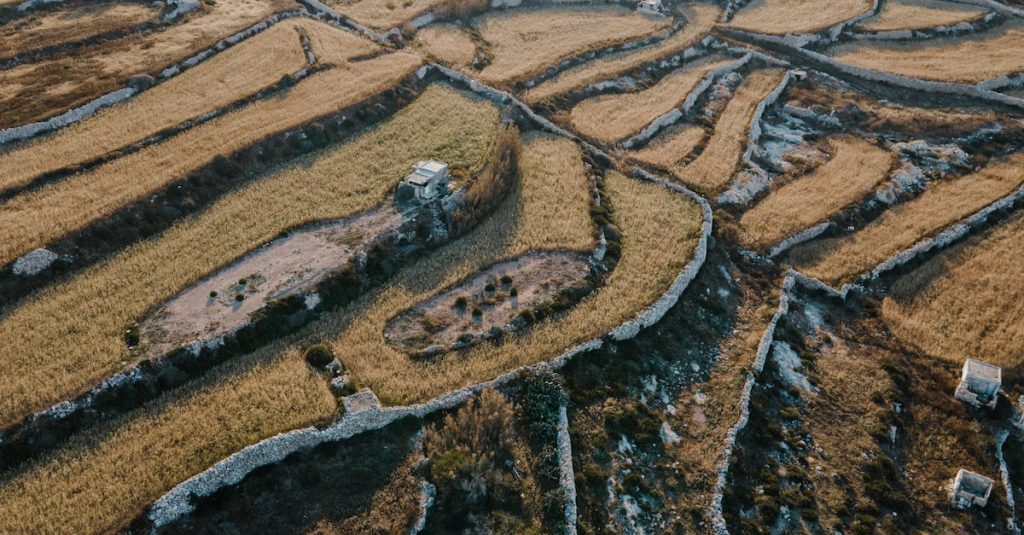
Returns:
point(39, 216)
point(969, 59)
point(670, 146)
point(448, 43)
point(785, 16)
point(716, 165)
point(967, 302)
point(609, 118)
point(69, 336)
point(659, 230)
point(944, 203)
point(70, 25)
point(383, 14)
point(855, 169)
point(700, 18)
point(32, 92)
point(233, 74)
point(916, 14)
point(554, 34)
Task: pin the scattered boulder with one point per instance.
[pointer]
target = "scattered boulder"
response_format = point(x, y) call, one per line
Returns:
point(141, 82)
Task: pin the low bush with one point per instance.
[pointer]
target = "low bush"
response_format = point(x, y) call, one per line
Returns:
point(319, 355)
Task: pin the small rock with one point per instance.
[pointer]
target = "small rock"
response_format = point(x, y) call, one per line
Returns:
point(34, 262)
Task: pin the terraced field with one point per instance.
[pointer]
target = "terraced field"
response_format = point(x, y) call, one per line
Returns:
point(276, 266)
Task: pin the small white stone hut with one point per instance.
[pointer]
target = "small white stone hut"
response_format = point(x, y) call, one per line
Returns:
point(979, 384)
point(651, 7)
point(970, 489)
point(428, 179)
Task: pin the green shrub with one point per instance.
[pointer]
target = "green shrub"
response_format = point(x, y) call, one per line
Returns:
point(319, 355)
point(131, 336)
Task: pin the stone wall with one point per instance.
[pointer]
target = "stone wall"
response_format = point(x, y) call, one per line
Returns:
point(566, 477)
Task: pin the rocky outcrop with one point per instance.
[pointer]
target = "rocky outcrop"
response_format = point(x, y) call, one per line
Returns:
point(177, 8)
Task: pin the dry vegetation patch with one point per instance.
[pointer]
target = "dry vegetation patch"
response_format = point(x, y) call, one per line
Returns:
point(448, 43)
point(69, 336)
point(42, 215)
point(659, 231)
point(969, 58)
point(839, 259)
point(785, 16)
point(855, 169)
point(78, 23)
point(671, 146)
point(967, 302)
point(700, 18)
point(233, 74)
point(106, 475)
point(609, 118)
point(917, 14)
point(714, 167)
point(383, 14)
point(527, 40)
point(31, 92)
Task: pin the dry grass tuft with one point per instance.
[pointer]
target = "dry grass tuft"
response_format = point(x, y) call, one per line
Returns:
point(944, 203)
point(40, 216)
point(671, 146)
point(855, 169)
point(609, 118)
point(969, 58)
point(916, 14)
point(235, 73)
point(717, 163)
point(967, 302)
point(448, 43)
point(69, 336)
point(785, 16)
point(659, 228)
point(700, 18)
point(525, 41)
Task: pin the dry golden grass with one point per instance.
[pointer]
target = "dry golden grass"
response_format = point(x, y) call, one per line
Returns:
point(968, 302)
point(969, 58)
point(915, 14)
point(940, 205)
point(39, 216)
point(105, 476)
point(233, 74)
point(34, 91)
point(700, 19)
point(785, 16)
point(70, 25)
point(660, 230)
point(671, 146)
point(855, 169)
point(609, 118)
point(447, 43)
point(525, 41)
point(714, 167)
point(334, 46)
point(706, 423)
point(69, 336)
point(383, 14)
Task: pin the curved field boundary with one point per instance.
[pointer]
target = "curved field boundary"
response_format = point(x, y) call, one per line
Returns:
point(672, 117)
point(233, 469)
point(979, 24)
point(574, 61)
point(998, 7)
point(757, 177)
point(763, 347)
point(826, 64)
point(75, 115)
point(325, 13)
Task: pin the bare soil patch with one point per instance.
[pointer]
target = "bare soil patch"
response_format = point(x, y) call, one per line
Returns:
point(491, 302)
point(289, 266)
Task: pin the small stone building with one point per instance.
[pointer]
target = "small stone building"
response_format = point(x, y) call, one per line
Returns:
point(428, 180)
point(970, 489)
point(651, 7)
point(979, 384)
